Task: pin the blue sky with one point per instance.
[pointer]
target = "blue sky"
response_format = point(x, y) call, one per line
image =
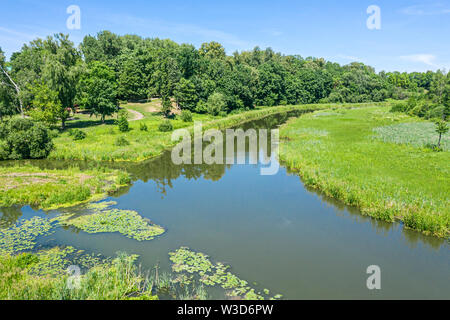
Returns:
point(414, 35)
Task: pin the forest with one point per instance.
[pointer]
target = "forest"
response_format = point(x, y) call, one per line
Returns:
point(50, 77)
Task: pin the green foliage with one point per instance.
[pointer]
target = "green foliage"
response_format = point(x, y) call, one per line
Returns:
point(77, 134)
point(186, 116)
point(98, 90)
point(119, 280)
point(102, 219)
point(166, 106)
point(189, 263)
point(121, 142)
point(23, 235)
point(51, 189)
point(143, 126)
point(441, 129)
point(46, 104)
point(165, 126)
point(24, 139)
point(122, 122)
point(216, 104)
point(186, 95)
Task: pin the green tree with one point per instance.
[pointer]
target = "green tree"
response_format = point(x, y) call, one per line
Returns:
point(122, 121)
point(216, 103)
point(8, 87)
point(46, 105)
point(212, 50)
point(166, 105)
point(186, 95)
point(98, 90)
point(24, 139)
point(441, 129)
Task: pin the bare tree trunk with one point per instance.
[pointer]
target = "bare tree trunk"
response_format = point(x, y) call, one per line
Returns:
point(17, 91)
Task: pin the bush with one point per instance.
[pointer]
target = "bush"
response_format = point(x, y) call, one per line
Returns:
point(216, 104)
point(201, 107)
point(399, 107)
point(165, 126)
point(122, 122)
point(121, 142)
point(143, 127)
point(437, 112)
point(186, 116)
point(77, 134)
point(24, 139)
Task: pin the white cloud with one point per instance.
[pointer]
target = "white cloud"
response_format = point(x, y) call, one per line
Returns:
point(426, 10)
point(424, 58)
point(349, 58)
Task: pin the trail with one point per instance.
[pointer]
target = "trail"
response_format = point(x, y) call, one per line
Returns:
point(137, 115)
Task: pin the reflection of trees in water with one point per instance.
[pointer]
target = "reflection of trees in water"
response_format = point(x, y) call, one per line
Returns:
point(9, 216)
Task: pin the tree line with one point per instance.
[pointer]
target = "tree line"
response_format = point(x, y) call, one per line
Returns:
point(50, 77)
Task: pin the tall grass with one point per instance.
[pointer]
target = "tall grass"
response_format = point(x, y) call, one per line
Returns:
point(120, 280)
point(385, 180)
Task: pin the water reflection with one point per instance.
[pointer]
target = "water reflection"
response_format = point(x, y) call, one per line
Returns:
point(164, 172)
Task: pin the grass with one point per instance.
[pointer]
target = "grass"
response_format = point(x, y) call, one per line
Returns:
point(418, 134)
point(338, 154)
point(120, 280)
point(51, 189)
point(99, 142)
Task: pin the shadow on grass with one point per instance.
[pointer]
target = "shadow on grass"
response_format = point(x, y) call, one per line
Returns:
point(79, 124)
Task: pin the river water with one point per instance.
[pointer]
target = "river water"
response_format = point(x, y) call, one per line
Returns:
point(274, 232)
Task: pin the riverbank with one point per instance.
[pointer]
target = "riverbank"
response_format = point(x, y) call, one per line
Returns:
point(51, 189)
point(99, 144)
point(345, 155)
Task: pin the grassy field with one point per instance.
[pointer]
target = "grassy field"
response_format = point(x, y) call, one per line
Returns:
point(100, 143)
point(351, 156)
point(50, 189)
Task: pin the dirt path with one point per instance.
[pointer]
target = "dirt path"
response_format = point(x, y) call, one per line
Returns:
point(137, 115)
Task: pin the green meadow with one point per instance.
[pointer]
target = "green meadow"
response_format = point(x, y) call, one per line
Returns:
point(351, 155)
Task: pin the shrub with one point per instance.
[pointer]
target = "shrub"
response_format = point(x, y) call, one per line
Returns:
point(143, 127)
point(399, 107)
point(216, 104)
point(201, 107)
point(121, 142)
point(186, 116)
point(437, 112)
point(122, 122)
point(24, 139)
point(165, 126)
point(77, 134)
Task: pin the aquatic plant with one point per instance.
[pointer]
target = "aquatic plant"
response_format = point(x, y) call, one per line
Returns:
point(23, 235)
point(102, 220)
point(187, 261)
point(55, 261)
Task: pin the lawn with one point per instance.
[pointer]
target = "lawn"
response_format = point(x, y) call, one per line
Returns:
point(352, 155)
